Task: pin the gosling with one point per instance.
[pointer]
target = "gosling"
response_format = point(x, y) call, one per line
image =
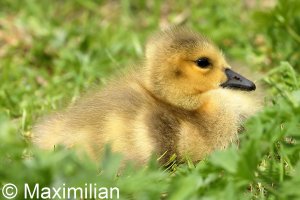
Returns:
point(184, 100)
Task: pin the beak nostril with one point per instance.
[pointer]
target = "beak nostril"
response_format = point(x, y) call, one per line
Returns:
point(237, 78)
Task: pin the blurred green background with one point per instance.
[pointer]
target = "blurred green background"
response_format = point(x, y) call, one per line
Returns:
point(52, 50)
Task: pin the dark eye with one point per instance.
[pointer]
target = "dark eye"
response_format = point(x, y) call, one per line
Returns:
point(203, 62)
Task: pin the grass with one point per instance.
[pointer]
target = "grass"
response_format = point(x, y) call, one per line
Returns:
point(52, 51)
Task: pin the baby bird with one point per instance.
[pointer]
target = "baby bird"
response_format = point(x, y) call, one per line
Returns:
point(184, 100)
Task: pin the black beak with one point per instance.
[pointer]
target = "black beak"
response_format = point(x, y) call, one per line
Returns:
point(237, 81)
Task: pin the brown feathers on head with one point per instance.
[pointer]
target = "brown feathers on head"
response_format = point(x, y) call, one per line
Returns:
point(173, 71)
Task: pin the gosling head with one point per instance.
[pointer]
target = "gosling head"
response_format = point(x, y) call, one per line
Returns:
point(182, 65)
